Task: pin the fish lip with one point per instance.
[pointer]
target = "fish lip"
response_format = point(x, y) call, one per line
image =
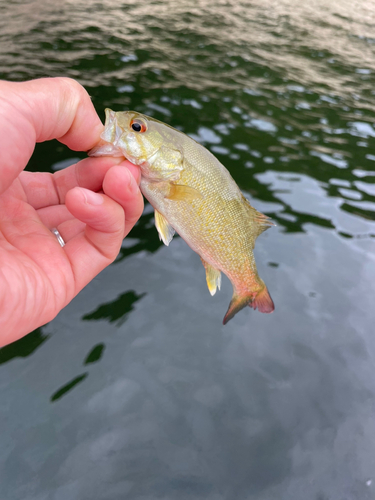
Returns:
point(105, 149)
point(115, 151)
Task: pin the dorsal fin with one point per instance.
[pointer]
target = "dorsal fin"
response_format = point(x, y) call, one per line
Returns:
point(262, 222)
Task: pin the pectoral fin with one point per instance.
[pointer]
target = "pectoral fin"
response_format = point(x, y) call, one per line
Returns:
point(213, 277)
point(165, 230)
point(183, 193)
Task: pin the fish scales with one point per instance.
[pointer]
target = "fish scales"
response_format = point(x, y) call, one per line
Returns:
point(193, 194)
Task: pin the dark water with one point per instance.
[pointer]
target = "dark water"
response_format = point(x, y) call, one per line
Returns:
point(135, 391)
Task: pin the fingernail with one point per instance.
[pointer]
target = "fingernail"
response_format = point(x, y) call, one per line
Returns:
point(92, 198)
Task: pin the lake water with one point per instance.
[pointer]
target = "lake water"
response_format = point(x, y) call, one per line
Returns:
point(136, 390)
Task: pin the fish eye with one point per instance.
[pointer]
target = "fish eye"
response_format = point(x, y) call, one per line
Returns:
point(138, 125)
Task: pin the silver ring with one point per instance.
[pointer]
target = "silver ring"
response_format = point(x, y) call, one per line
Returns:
point(58, 236)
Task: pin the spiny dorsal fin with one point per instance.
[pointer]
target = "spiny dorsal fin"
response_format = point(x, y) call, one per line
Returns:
point(165, 230)
point(261, 221)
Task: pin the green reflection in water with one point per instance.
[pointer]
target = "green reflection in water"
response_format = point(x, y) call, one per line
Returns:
point(144, 231)
point(116, 311)
point(23, 347)
point(68, 387)
point(95, 354)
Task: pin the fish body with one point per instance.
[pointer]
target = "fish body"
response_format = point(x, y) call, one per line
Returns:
point(193, 194)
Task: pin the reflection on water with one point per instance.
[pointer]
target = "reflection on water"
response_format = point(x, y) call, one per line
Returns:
point(117, 310)
point(95, 354)
point(271, 407)
point(93, 357)
point(23, 347)
point(143, 237)
point(68, 387)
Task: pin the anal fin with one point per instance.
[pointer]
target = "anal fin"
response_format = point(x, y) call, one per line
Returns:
point(165, 230)
point(213, 277)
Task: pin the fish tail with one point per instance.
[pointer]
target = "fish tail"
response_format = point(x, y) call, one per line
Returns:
point(237, 303)
point(260, 300)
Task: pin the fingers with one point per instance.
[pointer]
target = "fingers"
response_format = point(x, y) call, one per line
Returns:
point(44, 189)
point(118, 183)
point(70, 229)
point(55, 108)
point(40, 110)
point(92, 250)
point(54, 216)
point(121, 186)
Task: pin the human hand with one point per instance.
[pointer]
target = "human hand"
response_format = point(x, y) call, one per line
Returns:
point(37, 276)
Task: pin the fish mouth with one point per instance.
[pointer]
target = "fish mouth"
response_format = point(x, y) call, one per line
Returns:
point(105, 149)
point(109, 138)
point(108, 149)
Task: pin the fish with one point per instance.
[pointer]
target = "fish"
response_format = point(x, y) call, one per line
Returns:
point(194, 195)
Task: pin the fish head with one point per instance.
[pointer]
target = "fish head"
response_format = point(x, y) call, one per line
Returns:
point(129, 134)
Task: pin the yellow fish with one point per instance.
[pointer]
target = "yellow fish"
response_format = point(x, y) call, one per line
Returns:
point(193, 193)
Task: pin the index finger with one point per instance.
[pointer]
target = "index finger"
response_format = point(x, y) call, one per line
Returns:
point(40, 110)
point(43, 189)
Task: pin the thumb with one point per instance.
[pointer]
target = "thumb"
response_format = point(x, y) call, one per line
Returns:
point(38, 111)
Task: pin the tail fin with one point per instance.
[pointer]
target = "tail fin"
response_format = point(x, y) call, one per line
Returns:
point(237, 303)
point(263, 301)
point(259, 300)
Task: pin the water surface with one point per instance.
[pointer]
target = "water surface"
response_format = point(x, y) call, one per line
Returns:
point(136, 390)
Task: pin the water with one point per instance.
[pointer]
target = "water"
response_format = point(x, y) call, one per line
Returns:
point(135, 390)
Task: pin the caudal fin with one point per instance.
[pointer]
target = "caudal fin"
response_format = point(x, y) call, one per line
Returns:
point(263, 302)
point(237, 303)
point(259, 300)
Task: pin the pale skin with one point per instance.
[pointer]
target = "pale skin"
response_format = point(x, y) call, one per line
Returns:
point(93, 204)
